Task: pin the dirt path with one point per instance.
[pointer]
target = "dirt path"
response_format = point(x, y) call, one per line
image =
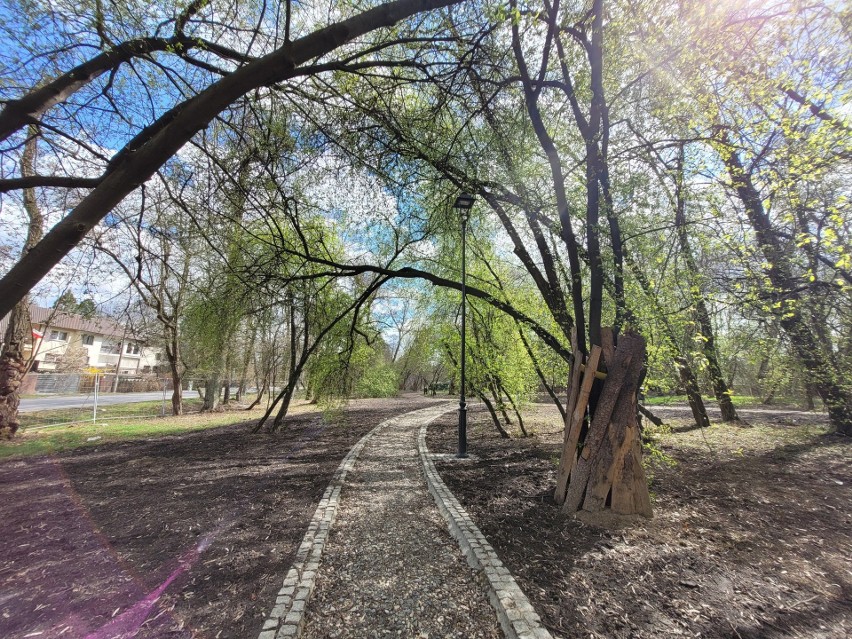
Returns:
point(749, 541)
point(171, 537)
point(390, 567)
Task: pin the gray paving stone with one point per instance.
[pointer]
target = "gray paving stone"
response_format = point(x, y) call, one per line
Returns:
point(518, 618)
point(516, 615)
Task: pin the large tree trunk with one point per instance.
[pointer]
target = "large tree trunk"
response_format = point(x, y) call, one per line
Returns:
point(212, 387)
point(601, 466)
point(13, 366)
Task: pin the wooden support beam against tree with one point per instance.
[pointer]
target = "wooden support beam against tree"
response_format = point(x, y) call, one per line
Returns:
point(601, 468)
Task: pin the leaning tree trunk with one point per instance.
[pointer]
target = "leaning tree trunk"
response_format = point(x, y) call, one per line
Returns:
point(517, 412)
point(815, 354)
point(259, 394)
point(297, 365)
point(693, 393)
point(13, 366)
point(601, 465)
point(702, 315)
point(696, 403)
point(494, 418)
point(158, 142)
point(494, 387)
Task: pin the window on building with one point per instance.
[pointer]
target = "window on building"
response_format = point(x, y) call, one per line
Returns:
point(110, 348)
point(132, 349)
point(59, 336)
point(88, 340)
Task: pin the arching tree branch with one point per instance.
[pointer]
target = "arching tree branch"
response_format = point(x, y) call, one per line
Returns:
point(170, 132)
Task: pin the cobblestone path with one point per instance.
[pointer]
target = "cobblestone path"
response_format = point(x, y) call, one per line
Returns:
point(389, 567)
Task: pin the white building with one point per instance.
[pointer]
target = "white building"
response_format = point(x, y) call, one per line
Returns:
point(105, 344)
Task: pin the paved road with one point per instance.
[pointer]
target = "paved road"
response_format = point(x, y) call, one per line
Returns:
point(77, 401)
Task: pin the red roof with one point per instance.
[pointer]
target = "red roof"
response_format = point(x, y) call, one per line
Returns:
point(59, 319)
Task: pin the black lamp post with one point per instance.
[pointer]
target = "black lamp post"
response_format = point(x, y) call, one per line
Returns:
point(463, 203)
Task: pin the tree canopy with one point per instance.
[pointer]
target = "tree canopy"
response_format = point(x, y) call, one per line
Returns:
point(674, 170)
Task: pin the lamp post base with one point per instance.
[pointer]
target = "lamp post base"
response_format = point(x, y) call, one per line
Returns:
point(462, 454)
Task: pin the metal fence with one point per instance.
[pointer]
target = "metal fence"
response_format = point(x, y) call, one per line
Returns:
point(54, 399)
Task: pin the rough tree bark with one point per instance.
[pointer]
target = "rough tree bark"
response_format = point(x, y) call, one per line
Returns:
point(601, 465)
point(13, 366)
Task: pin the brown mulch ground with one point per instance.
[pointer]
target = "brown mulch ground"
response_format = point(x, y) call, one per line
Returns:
point(183, 536)
point(750, 540)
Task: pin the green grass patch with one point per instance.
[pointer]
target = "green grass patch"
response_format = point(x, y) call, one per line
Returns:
point(759, 438)
point(59, 439)
point(739, 401)
point(153, 408)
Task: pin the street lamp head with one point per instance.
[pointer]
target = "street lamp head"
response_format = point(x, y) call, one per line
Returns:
point(464, 201)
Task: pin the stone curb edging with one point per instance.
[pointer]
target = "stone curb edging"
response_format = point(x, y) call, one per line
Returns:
point(518, 618)
point(286, 619)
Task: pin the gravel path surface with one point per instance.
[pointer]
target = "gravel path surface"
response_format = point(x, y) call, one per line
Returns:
point(390, 568)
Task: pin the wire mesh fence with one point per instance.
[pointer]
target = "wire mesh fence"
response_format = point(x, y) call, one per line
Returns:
point(55, 399)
